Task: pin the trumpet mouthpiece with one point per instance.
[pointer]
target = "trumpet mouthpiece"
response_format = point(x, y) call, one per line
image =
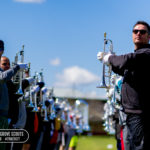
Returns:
point(104, 35)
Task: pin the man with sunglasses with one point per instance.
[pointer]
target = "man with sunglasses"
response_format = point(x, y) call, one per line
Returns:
point(135, 94)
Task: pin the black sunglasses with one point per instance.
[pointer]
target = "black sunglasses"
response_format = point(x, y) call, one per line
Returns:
point(5, 64)
point(141, 31)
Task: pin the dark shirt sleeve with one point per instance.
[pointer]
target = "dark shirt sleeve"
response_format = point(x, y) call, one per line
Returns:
point(129, 61)
point(7, 75)
point(12, 87)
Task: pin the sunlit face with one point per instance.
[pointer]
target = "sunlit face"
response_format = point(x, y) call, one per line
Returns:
point(5, 64)
point(140, 37)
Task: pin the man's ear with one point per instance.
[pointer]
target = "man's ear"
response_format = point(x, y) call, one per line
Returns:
point(149, 37)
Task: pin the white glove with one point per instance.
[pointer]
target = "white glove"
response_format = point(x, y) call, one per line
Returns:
point(23, 66)
point(100, 56)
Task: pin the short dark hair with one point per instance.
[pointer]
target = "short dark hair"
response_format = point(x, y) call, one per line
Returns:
point(1, 45)
point(143, 23)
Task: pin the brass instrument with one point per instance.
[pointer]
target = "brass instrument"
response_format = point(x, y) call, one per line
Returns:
point(53, 111)
point(20, 92)
point(34, 92)
point(16, 77)
point(44, 108)
point(30, 94)
point(106, 74)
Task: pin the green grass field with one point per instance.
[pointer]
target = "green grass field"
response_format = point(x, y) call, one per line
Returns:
point(96, 143)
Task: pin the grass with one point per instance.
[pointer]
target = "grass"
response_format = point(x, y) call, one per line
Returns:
point(96, 143)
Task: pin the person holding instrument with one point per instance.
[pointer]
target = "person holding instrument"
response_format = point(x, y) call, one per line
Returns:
point(135, 97)
point(12, 89)
point(4, 98)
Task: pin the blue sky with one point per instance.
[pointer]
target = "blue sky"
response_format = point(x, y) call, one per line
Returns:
point(64, 36)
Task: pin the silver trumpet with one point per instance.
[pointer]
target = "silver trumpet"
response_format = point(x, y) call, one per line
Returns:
point(53, 111)
point(16, 77)
point(20, 92)
point(67, 110)
point(31, 81)
point(106, 73)
point(44, 108)
point(34, 92)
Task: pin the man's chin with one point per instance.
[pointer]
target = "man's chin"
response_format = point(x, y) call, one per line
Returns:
point(139, 43)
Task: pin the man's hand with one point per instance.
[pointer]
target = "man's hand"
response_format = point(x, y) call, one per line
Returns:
point(100, 56)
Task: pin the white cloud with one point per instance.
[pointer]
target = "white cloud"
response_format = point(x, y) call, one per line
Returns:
point(30, 1)
point(75, 93)
point(92, 94)
point(75, 76)
point(55, 62)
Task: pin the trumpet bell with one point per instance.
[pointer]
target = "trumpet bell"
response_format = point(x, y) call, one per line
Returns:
point(19, 92)
point(35, 109)
point(102, 85)
point(45, 119)
point(52, 116)
point(30, 105)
